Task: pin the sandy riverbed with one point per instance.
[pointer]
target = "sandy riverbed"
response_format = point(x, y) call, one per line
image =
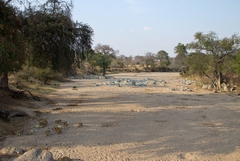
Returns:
point(137, 123)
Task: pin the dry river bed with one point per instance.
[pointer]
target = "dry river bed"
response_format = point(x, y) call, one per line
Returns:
point(148, 123)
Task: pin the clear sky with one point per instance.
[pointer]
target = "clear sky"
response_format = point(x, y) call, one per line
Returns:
point(135, 27)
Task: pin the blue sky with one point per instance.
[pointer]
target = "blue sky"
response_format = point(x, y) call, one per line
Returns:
point(135, 27)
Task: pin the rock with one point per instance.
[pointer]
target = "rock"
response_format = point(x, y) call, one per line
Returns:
point(131, 83)
point(189, 82)
point(163, 82)
point(109, 77)
point(234, 88)
point(172, 89)
point(36, 155)
point(224, 87)
point(205, 86)
point(16, 113)
point(11, 151)
point(184, 88)
point(210, 87)
point(8, 114)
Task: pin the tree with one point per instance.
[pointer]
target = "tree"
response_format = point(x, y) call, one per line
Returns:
point(12, 43)
point(50, 38)
point(128, 60)
point(139, 60)
point(54, 38)
point(163, 57)
point(121, 60)
point(150, 60)
point(103, 56)
point(83, 34)
point(237, 62)
point(181, 51)
point(198, 63)
point(218, 50)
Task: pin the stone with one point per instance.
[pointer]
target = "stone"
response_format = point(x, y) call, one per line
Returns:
point(131, 82)
point(233, 89)
point(188, 82)
point(205, 86)
point(224, 87)
point(184, 88)
point(11, 151)
point(109, 77)
point(37, 155)
point(172, 89)
point(210, 87)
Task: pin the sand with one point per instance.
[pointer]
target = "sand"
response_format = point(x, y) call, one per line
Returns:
point(136, 123)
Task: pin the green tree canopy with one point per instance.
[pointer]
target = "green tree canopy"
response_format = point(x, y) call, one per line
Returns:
point(217, 49)
point(56, 41)
point(163, 58)
point(181, 51)
point(150, 60)
point(103, 56)
point(12, 43)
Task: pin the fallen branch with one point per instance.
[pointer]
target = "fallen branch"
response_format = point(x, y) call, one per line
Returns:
point(34, 97)
point(18, 94)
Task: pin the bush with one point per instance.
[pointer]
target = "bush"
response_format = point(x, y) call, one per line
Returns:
point(43, 75)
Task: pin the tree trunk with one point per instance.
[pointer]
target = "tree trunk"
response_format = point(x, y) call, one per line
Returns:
point(4, 81)
point(219, 80)
point(104, 71)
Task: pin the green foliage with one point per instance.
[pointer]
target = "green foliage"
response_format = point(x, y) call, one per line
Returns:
point(198, 63)
point(163, 57)
point(237, 62)
point(103, 57)
point(83, 41)
point(42, 74)
point(149, 60)
point(12, 44)
point(45, 35)
point(181, 58)
point(50, 40)
point(220, 55)
point(180, 49)
point(55, 40)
